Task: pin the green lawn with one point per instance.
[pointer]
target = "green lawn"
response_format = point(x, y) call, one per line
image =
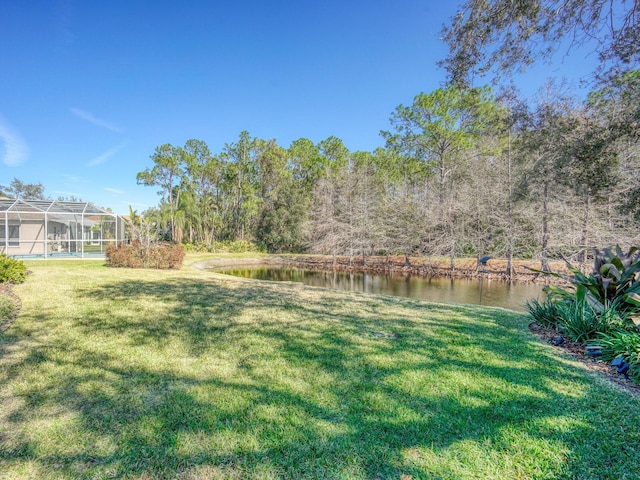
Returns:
point(191, 375)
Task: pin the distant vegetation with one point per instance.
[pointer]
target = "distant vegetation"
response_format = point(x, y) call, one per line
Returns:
point(464, 172)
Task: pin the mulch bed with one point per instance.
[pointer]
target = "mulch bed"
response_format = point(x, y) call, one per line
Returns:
point(577, 351)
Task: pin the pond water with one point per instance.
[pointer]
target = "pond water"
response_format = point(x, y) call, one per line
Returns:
point(479, 291)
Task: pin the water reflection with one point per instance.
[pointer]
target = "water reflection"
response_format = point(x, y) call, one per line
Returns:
point(481, 291)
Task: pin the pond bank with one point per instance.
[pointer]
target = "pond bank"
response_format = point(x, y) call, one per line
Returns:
point(495, 269)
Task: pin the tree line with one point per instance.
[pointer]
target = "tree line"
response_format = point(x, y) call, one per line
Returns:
point(464, 171)
point(17, 189)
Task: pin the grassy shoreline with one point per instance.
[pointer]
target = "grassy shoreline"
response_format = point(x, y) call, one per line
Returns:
point(188, 374)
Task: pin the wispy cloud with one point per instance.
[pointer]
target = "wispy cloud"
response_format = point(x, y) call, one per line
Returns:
point(74, 178)
point(15, 149)
point(115, 191)
point(89, 117)
point(103, 157)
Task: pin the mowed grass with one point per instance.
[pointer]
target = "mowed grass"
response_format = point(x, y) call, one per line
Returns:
point(186, 374)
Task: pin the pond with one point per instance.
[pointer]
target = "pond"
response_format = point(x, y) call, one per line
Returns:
point(479, 291)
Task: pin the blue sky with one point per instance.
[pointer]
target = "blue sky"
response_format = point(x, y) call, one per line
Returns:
point(89, 89)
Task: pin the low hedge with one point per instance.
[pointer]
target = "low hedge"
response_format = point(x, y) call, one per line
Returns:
point(12, 270)
point(162, 256)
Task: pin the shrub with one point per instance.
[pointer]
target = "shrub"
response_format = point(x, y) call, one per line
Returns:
point(195, 247)
point(226, 246)
point(577, 319)
point(623, 343)
point(545, 313)
point(607, 298)
point(581, 322)
point(614, 282)
point(137, 255)
point(12, 270)
point(237, 246)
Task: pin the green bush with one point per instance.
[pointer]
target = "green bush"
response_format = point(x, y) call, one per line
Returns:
point(620, 342)
point(614, 281)
point(237, 246)
point(226, 246)
point(12, 270)
point(545, 313)
point(136, 255)
point(195, 247)
point(607, 298)
point(581, 322)
point(577, 319)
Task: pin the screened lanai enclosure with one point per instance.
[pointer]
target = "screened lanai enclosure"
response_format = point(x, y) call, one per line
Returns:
point(50, 228)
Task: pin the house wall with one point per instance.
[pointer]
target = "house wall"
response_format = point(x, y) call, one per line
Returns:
point(32, 236)
point(31, 239)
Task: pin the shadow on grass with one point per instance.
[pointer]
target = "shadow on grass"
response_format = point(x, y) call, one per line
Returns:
point(258, 381)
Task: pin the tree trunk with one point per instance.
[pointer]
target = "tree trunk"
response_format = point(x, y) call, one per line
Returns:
point(584, 235)
point(509, 272)
point(452, 257)
point(544, 260)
